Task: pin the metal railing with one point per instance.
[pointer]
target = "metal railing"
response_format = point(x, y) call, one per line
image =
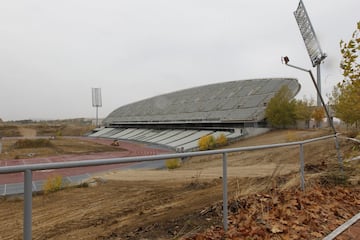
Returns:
point(28, 169)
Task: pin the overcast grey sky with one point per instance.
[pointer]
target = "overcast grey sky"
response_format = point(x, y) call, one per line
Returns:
point(53, 52)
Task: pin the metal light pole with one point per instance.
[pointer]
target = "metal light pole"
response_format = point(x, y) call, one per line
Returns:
point(286, 61)
point(318, 77)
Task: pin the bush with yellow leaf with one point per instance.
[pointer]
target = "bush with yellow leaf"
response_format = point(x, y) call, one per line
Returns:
point(173, 163)
point(221, 140)
point(53, 184)
point(206, 142)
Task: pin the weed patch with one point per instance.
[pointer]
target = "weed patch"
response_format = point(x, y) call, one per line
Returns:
point(334, 179)
point(32, 143)
point(9, 131)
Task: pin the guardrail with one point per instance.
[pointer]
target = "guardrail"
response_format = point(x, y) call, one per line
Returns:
point(28, 169)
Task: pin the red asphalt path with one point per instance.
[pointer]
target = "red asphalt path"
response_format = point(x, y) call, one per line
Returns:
point(127, 150)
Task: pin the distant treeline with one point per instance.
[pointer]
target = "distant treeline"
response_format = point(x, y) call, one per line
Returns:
point(58, 121)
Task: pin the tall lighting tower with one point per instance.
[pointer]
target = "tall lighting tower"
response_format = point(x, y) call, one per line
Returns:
point(96, 102)
point(316, 57)
point(311, 42)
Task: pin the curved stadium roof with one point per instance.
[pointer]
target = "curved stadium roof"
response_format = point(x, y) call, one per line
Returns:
point(235, 101)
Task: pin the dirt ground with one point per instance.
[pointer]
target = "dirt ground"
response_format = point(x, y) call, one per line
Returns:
point(27, 132)
point(179, 203)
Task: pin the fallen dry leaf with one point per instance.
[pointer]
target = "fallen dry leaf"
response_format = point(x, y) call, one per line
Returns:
point(277, 229)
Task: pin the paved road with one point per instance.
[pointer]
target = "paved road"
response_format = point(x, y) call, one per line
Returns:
point(13, 183)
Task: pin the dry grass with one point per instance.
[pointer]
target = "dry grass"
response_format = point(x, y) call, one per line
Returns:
point(32, 143)
point(9, 131)
point(55, 128)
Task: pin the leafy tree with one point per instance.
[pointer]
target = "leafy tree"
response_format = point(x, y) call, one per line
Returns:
point(303, 110)
point(280, 110)
point(350, 53)
point(346, 99)
point(346, 95)
point(318, 114)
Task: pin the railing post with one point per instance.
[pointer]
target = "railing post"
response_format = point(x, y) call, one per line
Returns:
point(27, 232)
point(225, 199)
point(302, 177)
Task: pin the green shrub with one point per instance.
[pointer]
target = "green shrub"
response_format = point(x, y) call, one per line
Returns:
point(173, 163)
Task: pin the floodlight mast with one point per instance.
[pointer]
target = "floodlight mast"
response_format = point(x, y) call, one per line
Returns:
point(286, 61)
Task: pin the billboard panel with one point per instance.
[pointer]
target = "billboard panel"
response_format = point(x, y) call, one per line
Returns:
point(308, 35)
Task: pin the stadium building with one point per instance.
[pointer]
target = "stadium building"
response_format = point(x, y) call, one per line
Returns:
point(179, 119)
